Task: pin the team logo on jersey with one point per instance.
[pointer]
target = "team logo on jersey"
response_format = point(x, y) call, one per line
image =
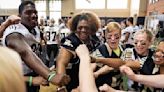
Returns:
point(68, 43)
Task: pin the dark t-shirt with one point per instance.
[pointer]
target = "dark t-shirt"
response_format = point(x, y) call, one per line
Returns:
point(107, 78)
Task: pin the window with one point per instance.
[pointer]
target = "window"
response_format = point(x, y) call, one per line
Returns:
point(9, 4)
point(90, 4)
point(55, 5)
point(54, 9)
point(117, 4)
point(40, 5)
point(135, 4)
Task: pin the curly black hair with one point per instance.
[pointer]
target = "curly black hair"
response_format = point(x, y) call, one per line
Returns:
point(92, 18)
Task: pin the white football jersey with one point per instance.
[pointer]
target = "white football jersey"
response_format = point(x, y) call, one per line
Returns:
point(32, 40)
point(64, 32)
point(51, 34)
point(19, 28)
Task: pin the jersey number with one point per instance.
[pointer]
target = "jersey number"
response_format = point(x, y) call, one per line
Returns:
point(50, 36)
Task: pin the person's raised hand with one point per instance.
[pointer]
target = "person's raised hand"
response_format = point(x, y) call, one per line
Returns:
point(82, 50)
point(13, 19)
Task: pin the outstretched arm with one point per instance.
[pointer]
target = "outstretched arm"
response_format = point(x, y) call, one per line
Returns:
point(117, 62)
point(112, 62)
point(86, 78)
point(16, 41)
point(103, 70)
point(149, 80)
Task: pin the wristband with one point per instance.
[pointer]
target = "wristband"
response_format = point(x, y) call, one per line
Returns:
point(51, 75)
point(30, 81)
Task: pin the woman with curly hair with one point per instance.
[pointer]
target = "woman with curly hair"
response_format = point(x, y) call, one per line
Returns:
point(83, 26)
